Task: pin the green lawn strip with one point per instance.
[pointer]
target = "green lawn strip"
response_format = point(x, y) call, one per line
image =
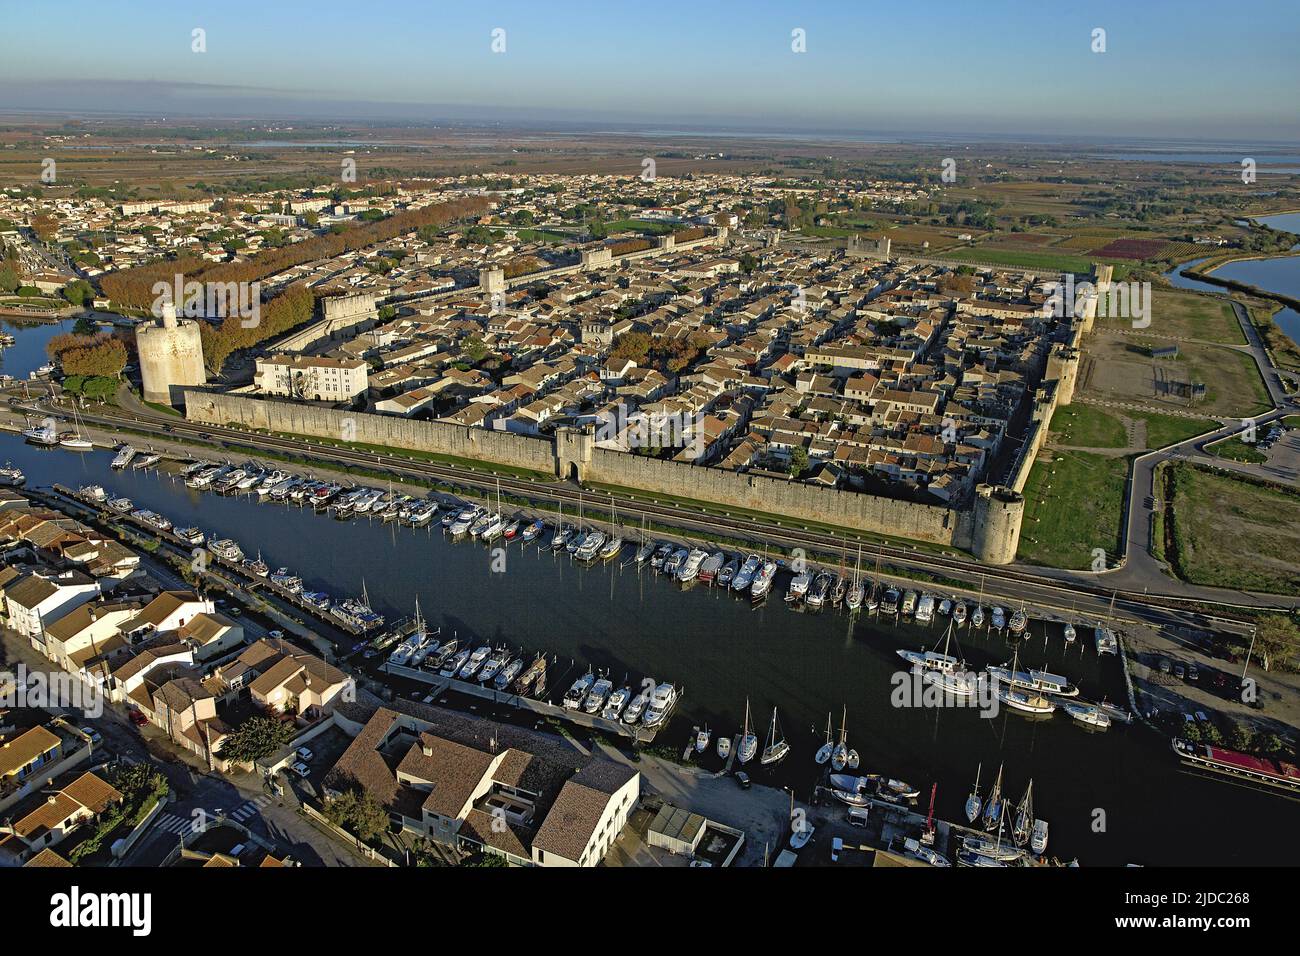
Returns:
point(1085, 426)
point(1234, 449)
point(1073, 505)
point(1165, 430)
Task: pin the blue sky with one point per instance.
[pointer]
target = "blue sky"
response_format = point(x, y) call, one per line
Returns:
point(1188, 69)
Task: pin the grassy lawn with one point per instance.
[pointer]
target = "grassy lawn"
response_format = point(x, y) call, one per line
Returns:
point(1234, 449)
point(1073, 505)
point(164, 409)
point(643, 226)
point(1085, 426)
point(1230, 532)
point(542, 235)
point(1187, 315)
point(1165, 430)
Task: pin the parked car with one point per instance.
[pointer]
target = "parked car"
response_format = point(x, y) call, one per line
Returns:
point(742, 780)
point(304, 754)
point(301, 769)
point(1193, 673)
point(138, 718)
point(93, 734)
point(1165, 666)
point(1179, 671)
point(277, 633)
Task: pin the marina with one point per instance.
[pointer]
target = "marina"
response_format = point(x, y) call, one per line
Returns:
point(620, 617)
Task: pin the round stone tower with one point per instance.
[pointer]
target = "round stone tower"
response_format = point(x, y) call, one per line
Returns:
point(171, 357)
point(995, 533)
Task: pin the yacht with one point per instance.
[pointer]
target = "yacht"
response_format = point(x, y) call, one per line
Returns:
point(257, 566)
point(191, 536)
point(945, 607)
point(153, 519)
point(977, 616)
point(122, 458)
point(318, 601)
point(532, 531)
point(281, 577)
point(44, 434)
point(1019, 620)
point(710, 567)
point(889, 602)
point(146, 460)
point(534, 670)
point(724, 747)
point(1025, 701)
point(644, 552)
point(748, 746)
point(492, 666)
point(690, 568)
point(575, 695)
point(637, 707)
point(560, 540)
point(909, 602)
point(777, 749)
point(745, 576)
point(728, 572)
point(508, 674)
point(1069, 633)
point(763, 581)
point(942, 669)
point(660, 555)
point(617, 701)
point(1038, 838)
point(253, 477)
point(76, 442)
point(1106, 641)
point(1040, 681)
point(422, 513)
point(476, 660)
point(590, 546)
point(924, 612)
point(817, 593)
point(226, 548)
point(270, 480)
point(1087, 714)
point(11, 477)
point(661, 703)
point(798, 588)
point(95, 494)
point(610, 548)
point(124, 505)
point(959, 613)
point(452, 667)
point(999, 617)
point(598, 695)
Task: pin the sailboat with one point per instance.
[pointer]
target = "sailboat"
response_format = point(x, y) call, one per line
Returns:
point(943, 670)
point(856, 590)
point(1024, 822)
point(748, 742)
point(776, 749)
point(76, 441)
point(840, 755)
point(993, 805)
point(973, 803)
point(825, 750)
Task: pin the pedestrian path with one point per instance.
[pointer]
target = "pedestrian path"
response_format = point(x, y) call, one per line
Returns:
point(251, 808)
point(172, 823)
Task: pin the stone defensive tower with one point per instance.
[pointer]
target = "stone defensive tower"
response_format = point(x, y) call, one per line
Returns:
point(995, 529)
point(171, 357)
point(1063, 368)
point(573, 448)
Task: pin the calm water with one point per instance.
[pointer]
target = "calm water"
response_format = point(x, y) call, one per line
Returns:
point(1281, 274)
point(28, 353)
point(639, 624)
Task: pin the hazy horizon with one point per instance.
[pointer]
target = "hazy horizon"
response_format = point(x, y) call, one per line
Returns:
point(997, 69)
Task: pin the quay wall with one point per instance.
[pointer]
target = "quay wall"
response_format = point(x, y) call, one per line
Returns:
point(988, 528)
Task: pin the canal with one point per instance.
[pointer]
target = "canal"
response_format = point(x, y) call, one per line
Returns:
point(1111, 798)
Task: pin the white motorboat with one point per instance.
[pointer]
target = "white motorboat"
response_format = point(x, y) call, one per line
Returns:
point(1088, 714)
point(576, 694)
point(617, 701)
point(1069, 633)
point(476, 661)
point(763, 580)
point(508, 674)
point(1019, 621)
point(11, 477)
point(123, 457)
point(1038, 838)
point(919, 851)
point(744, 578)
point(924, 612)
point(1025, 701)
point(959, 613)
point(801, 834)
point(124, 505)
point(598, 695)
point(637, 707)
point(691, 566)
point(999, 618)
point(1106, 641)
point(977, 616)
point(1035, 680)
point(92, 493)
point(492, 666)
point(452, 667)
point(798, 588)
point(702, 737)
point(661, 704)
point(724, 747)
